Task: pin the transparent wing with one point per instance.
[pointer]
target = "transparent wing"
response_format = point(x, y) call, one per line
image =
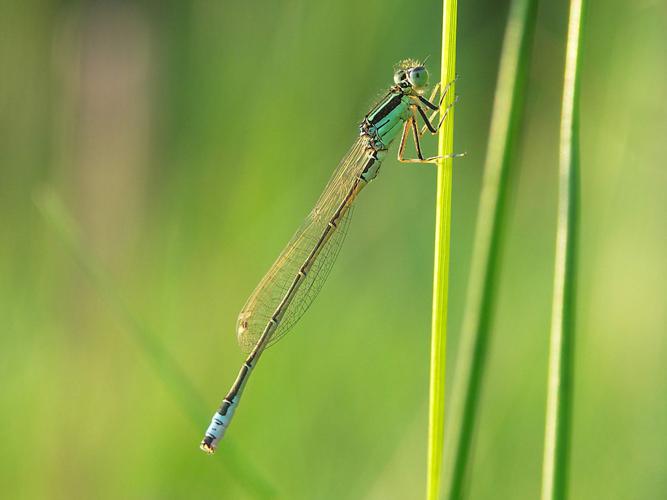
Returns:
point(314, 280)
point(264, 301)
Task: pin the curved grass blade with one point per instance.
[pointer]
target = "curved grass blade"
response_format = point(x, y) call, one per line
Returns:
point(165, 365)
point(480, 302)
point(561, 355)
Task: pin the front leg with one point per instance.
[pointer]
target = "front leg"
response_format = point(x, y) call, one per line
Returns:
point(428, 125)
point(429, 102)
point(435, 109)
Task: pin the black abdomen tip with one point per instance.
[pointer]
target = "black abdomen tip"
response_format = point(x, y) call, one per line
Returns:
point(207, 445)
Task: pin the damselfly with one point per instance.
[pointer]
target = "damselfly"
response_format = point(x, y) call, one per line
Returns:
point(297, 276)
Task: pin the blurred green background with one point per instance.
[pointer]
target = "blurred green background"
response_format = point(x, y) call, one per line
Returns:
point(189, 139)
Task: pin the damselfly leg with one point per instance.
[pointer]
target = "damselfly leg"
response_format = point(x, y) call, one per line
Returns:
point(411, 123)
point(435, 109)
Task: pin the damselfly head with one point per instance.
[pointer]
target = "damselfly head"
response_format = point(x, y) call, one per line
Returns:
point(411, 74)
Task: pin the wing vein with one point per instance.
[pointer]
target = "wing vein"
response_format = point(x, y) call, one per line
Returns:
point(271, 294)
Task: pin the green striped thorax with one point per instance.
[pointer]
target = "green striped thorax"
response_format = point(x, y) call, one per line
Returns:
point(385, 121)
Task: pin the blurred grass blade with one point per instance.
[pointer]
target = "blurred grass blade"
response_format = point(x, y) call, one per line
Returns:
point(481, 299)
point(167, 367)
point(441, 263)
point(561, 356)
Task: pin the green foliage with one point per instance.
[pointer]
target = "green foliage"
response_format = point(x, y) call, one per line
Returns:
point(189, 139)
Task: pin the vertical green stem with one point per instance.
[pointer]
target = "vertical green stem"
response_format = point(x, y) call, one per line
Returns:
point(561, 356)
point(505, 123)
point(441, 264)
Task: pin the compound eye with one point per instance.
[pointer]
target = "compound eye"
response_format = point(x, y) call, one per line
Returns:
point(418, 77)
point(399, 76)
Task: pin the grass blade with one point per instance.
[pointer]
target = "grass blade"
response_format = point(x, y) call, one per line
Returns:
point(166, 366)
point(505, 124)
point(561, 355)
point(441, 263)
